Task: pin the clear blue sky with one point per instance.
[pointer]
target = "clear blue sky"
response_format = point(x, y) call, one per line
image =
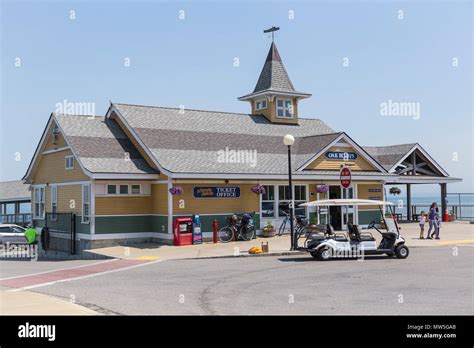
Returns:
point(190, 62)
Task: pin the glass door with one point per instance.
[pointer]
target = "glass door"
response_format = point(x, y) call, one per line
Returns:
point(348, 212)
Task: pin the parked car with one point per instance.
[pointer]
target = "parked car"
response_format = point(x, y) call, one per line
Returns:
point(12, 234)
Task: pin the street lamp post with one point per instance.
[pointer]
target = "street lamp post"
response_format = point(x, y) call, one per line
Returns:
point(289, 140)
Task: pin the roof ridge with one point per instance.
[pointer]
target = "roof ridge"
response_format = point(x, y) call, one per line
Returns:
point(76, 115)
point(319, 135)
point(390, 145)
point(213, 111)
point(175, 108)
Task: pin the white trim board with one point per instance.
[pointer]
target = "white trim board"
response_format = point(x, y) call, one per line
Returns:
point(132, 235)
point(55, 150)
point(350, 142)
point(124, 176)
point(105, 236)
point(419, 148)
point(120, 215)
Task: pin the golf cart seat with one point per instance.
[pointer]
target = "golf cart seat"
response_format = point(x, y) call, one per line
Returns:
point(354, 234)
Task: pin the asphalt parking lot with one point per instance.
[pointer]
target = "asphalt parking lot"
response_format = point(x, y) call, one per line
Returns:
point(430, 281)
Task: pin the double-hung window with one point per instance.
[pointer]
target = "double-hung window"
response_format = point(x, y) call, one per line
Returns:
point(268, 202)
point(300, 196)
point(284, 108)
point(39, 202)
point(69, 162)
point(86, 199)
point(54, 203)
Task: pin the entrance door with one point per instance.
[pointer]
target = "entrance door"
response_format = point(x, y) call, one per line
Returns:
point(335, 212)
point(348, 212)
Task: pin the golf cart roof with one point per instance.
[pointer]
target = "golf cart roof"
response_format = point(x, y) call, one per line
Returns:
point(347, 201)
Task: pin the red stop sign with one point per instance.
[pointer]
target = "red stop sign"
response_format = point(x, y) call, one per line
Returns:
point(346, 177)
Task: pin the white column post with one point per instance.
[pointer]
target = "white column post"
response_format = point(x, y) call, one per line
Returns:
point(92, 207)
point(170, 206)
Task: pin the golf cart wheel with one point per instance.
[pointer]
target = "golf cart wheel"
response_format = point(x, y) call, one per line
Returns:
point(324, 254)
point(402, 251)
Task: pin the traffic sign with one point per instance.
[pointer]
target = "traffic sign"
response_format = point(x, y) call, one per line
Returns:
point(345, 176)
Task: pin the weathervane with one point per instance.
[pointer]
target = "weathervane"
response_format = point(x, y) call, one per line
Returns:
point(272, 30)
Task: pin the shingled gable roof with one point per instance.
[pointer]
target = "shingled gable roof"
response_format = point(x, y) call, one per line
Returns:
point(189, 141)
point(274, 78)
point(101, 146)
point(14, 191)
point(389, 155)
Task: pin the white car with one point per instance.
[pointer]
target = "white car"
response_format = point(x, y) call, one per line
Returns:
point(12, 234)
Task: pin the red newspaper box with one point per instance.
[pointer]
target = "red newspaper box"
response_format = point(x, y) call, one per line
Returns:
point(183, 231)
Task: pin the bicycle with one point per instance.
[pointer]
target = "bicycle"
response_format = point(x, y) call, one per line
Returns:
point(299, 223)
point(245, 230)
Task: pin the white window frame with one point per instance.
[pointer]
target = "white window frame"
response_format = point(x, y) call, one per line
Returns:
point(107, 190)
point(284, 108)
point(139, 189)
point(86, 201)
point(40, 201)
point(277, 200)
point(66, 162)
point(268, 200)
point(294, 200)
point(129, 190)
point(54, 203)
point(123, 194)
point(261, 101)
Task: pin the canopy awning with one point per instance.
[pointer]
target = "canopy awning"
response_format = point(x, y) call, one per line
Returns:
point(342, 202)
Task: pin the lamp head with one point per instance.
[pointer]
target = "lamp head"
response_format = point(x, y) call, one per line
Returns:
point(288, 140)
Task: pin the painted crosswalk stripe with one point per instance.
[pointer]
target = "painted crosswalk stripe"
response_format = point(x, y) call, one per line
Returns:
point(73, 273)
point(461, 241)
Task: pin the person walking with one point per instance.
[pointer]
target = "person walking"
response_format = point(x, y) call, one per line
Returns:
point(30, 235)
point(432, 218)
point(437, 227)
point(422, 224)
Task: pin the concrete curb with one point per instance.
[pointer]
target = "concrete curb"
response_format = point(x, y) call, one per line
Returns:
point(281, 253)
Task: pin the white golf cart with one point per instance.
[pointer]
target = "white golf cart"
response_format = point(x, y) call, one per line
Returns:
point(323, 243)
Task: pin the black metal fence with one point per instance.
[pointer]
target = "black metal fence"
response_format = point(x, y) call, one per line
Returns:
point(63, 225)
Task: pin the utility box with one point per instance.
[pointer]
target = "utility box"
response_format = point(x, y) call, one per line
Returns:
point(183, 231)
point(197, 232)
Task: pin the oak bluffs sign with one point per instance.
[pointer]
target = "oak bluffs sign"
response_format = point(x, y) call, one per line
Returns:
point(340, 156)
point(216, 192)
